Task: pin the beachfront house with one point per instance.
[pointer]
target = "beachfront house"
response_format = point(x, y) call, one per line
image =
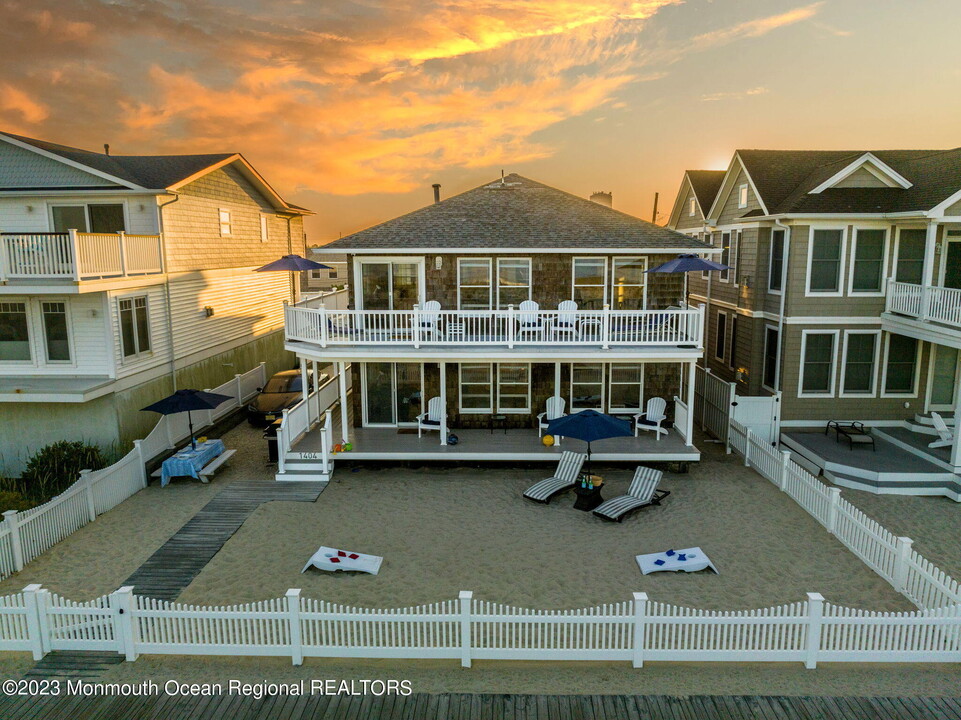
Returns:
point(844, 293)
point(468, 316)
point(124, 276)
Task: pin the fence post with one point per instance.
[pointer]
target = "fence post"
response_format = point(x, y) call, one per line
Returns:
point(238, 379)
point(30, 603)
point(141, 462)
point(747, 446)
point(122, 239)
point(606, 327)
point(785, 465)
point(640, 621)
point(124, 625)
point(12, 520)
point(75, 249)
point(263, 373)
point(901, 563)
point(88, 493)
point(415, 325)
point(293, 620)
point(322, 312)
point(835, 495)
point(510, 326)
point(466, 597)
point(43, 602)
point(815, 613)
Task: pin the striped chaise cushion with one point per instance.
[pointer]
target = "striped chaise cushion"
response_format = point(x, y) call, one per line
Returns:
point(640, 493)
point(565, 477)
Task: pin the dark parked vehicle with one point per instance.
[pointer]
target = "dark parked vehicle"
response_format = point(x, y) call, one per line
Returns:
point(283, 390)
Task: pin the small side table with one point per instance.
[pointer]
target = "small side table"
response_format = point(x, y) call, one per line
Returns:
point(498, 420)
point(587, 498)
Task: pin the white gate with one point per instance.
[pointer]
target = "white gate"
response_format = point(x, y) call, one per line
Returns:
point(73, 625)
point(712, 402)
point(761, 414)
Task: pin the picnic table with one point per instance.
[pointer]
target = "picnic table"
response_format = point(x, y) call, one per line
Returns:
point(188, 462)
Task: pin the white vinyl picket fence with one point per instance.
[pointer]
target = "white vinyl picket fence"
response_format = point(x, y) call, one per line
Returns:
point(28, 534)
point(889, 556)
point(468, 629)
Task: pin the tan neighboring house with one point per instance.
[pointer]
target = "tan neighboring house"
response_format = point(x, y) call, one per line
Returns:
point(844, 290)
point(319, 281)
point(123, 277)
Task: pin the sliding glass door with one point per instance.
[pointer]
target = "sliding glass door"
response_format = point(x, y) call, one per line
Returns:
point(392, 394)
point(389, 285)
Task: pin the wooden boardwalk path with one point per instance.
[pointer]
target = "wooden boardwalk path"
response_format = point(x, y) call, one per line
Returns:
point(173, 567)
point(483, 707)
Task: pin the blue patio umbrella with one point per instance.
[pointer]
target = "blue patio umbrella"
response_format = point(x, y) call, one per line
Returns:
point(292, 263)
point(589, 425)
point(686, 264)
point(185, 401)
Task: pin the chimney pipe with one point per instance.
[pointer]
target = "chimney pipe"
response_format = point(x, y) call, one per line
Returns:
point(436, 187)
point(106, 149)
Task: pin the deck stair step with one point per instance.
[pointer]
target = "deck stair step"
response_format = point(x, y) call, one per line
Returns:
point(922, 423)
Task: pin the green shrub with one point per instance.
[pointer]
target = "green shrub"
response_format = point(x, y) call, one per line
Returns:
point(56, 467)
point(14, 501)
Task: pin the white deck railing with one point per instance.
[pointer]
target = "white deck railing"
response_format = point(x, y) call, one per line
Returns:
point(468, 629)
point(78, 256)
point(925, 302)
point(510, 328)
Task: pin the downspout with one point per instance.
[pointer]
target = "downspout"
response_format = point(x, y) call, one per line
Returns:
point(785, 255)
point(170, 320)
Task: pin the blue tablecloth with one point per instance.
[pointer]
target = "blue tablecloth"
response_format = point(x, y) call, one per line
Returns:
point(190, 462)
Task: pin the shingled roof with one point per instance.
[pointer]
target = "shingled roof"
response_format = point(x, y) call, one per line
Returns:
point(784, 180)
point(705, 184)
point(517, 214)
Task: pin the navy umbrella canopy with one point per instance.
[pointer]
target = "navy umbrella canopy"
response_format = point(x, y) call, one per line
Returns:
point(185, 401)
point(687, 263)
point(589, 425)
point(292, 263)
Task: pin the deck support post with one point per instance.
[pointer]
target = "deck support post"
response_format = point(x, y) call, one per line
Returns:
point(342, 385)
point(443, 402)
point(956, 445)
point(689, 430)
point(927, 271)
point(557, 392)
point(303, 378)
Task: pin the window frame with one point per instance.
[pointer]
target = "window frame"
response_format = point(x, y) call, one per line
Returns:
point(489, 410)
point(808, 292)
point(86, 214)
point(497, 280)
point(490, 281)
point(526, 410)
point(692, 207)
point(732, 346)
point(604, 283)
point(718, 336)
point(725, 275)
point(770, 262)
point(643, 286)
point(884, 262)
point(884, 369)
point(140, 354)
point(31, 339)
point(844, 364)
point(777, 339)
point(610, 391)
point(896, 255)
point(602, 384)
point(744, 192)
point(72, 361)
point(710, 241)
point(736, 237)
point(832, 389)
point(229, 222)
point(264, 228)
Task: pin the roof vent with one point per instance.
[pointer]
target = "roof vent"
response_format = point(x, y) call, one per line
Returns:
point(436, 187)
point(106, 149)
point(603, 198)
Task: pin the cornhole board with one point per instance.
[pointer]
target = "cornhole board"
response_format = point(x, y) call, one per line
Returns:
point(694, 559)
point(332, 560)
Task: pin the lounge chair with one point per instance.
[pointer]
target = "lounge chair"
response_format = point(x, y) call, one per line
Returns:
point(430, 420)
point(529, 322)
point(642, 492)
point(555, 409)
point(565, 477)
point(652, 417)
point(332, 560)
point(946, 436)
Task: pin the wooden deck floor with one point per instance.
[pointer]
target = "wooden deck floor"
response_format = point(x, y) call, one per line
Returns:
point(488, 707)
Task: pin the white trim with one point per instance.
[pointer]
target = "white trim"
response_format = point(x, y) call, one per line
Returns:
point(79, 166)
point(141, 354)
point(884, 369)
point(68, 313)
point(86, 205)
point(768, 326)
point(727, 187)
point(732, 343)
point(362, 370)
point(674, 251)
point(229, 222)
point(264, 227)
point(928, 404)
point(611, 384)
point(724, 276)
point(742, 192)
point(874, 361)
point(526, 410)
point(604, 281)
point(888, 175)
point(643, 286)
point(489, 410)
point(884, 263)
point(717, 336)
point(692, 206)
point(834, 364)
point(490, 281)
point(808, 292)
point(358, 294)
point(602, 384)
point(832, 320)
point(731, 306)
point(28, 311)
point(770, 260)
point(895, 255)
point(497, 279)
point(946, 242)
point(938, 210)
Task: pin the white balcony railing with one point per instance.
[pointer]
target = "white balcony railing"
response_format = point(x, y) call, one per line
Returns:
point(510, 328)
point(925, 302)
point(78, 256)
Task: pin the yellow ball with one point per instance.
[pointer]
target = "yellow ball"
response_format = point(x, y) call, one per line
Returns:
point(548, 440)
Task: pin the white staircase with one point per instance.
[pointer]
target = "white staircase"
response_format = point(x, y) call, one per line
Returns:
point(299, 469)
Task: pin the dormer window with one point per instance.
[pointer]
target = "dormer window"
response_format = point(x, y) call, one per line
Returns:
point(742, 196)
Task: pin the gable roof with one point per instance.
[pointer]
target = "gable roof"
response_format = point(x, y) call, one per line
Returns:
point(784, 180)
point(705, 184)
point(515, 213)
point(150, 172)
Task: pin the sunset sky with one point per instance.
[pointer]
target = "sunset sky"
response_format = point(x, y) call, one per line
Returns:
point(353, 108)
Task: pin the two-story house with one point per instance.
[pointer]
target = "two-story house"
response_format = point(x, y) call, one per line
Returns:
point(124, 277)
point(491, 302)
point(844, 290)
point(333, 278)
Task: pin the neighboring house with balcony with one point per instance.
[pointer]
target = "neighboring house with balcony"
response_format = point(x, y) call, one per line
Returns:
point(493, 301)
point(844, 291)
point(123, 277)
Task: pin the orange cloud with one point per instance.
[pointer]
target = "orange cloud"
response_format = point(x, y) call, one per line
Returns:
point(16, 100)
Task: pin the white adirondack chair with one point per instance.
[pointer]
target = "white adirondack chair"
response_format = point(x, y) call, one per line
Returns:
point(430, 420)
point(429, 319)
point(652, 418)
point(555, 409)
point(946, 436)
point(566, 322)
point(529, 322)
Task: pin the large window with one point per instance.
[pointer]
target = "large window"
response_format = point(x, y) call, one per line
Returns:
point(910, 263)
point(134, 326)
point(98, 218)
point(476, 388)
point(587, 386)
point(900, 367)
point(55, 331)
point(771, 350)
point(628, 283)
point(14, 332)
point(474, 283)
point(626, 388)
point(776, 266)
point(513, 281)
point(859, 369)
point(867, 264)
point(817, 362)
point(725, 255)
point(720, 337)
point(589, 281)
point(513, 388)
point(824, 273)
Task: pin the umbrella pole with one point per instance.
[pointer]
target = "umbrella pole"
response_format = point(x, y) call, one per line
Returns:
point(190, 424)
